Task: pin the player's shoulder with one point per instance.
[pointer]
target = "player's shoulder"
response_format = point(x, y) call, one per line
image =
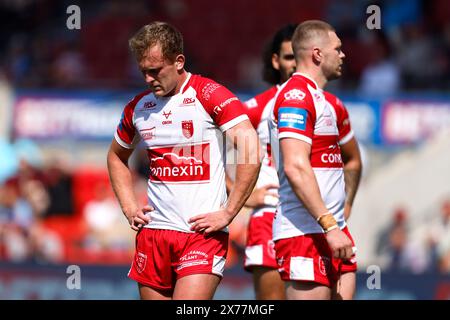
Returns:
point(334, 101)
point(266, 96)
point(203, 86)
point(331, 98)
point(261, 99)
point(294, 90)
point(135, 100)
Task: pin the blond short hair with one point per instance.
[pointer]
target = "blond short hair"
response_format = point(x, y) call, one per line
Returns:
point(162, 33)
point(308, 31)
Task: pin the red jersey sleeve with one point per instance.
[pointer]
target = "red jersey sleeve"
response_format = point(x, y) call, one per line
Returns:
point(343, 118)
point(254, 107)
point(224, 107)
point(126, 134)
point(295, 113)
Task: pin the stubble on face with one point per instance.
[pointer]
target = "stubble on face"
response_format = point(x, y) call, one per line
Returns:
point(334, 57)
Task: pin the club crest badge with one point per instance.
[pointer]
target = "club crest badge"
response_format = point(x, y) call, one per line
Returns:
point(187, 127)
point(141, 262)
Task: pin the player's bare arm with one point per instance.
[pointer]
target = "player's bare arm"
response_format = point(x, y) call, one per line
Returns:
point(301, 177)
point(258, 196)
point(246, 142)
point(228, 183)
point(122, 183)
point(352, 172)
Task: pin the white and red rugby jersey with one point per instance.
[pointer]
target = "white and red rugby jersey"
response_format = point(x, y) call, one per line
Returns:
point(258, 110)
point(183, 135)
point(301, 111)
point(342, 117)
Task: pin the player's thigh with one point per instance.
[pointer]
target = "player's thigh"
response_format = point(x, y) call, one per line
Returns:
point(148, 293)
point(196, 287)
point(345, 287)
point(305, 290)
point(268, 284)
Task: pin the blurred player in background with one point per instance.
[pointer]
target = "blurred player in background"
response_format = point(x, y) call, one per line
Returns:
point(313, 246)
point(181, 244)
point(279, 65)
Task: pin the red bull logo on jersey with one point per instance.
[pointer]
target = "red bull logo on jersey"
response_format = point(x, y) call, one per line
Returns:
point(180, 164)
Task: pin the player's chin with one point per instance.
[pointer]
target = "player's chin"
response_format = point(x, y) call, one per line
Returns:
point(158, 91)
point(335, 75)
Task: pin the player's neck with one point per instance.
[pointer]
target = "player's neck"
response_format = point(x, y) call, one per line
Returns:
point(181, 80)
point(317, 77)
point(313, 74)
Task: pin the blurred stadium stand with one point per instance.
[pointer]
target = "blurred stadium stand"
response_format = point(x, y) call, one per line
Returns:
point(62, 92)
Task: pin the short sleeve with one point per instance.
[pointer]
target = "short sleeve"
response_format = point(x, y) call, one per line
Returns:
point(295, 113)
point(126, 132)
point(224, 107)
point(343, 123)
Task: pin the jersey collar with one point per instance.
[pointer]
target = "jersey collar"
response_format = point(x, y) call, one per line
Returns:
point(308, 78)
point(182, 88)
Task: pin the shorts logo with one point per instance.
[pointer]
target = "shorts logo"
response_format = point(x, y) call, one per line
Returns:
point(187, 127)
point(180, 164)
point(193, 258)
point(295, 94)
point(148, 134)
point(291, 117)
point(324, 265)
point(141, 262)
point(188, 102)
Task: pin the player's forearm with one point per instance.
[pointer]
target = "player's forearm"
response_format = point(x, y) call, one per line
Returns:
point(228, 183)
point(122, 184)
point(352, 169)
point(246, 176)
point(249, 156)
point(247, 170)
point(352, 177)
point(303, 181)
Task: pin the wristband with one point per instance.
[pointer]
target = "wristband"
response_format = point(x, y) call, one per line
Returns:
point(323, 215)
point(327, 222)
point(331, 228)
